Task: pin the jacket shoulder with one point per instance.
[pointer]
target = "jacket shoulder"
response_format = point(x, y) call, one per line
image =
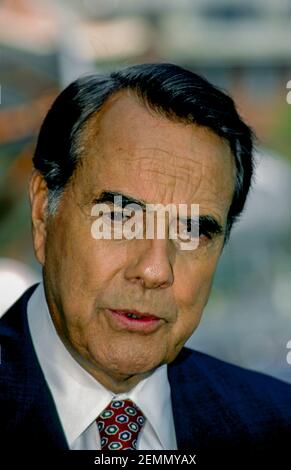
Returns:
point(235, 383)
point(26, 404)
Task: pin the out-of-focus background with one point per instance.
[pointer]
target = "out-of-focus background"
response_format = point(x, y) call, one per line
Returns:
point(243, 46)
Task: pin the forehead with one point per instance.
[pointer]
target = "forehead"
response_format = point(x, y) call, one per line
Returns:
point(130, 148)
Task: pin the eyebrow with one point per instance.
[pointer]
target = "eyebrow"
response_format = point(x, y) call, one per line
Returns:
point(207, 223)
point(108, 196)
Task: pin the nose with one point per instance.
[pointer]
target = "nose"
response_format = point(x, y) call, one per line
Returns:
point(151, 264)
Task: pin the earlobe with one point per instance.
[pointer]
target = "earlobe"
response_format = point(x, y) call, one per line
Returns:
point(38, 195)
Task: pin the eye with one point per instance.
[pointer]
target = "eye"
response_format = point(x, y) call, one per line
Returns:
point(188, 229)
point(191, 230)
point(194, 229)
point(205, 235)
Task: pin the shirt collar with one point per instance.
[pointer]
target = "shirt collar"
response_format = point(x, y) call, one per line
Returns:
point(79, 398)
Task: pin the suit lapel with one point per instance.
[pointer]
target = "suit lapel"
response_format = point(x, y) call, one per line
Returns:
point(182, 404)
point(201, 420)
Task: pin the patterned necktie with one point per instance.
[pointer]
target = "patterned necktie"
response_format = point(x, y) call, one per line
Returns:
point(119, 425)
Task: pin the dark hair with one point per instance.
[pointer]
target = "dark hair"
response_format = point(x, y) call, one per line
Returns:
point(173, 91)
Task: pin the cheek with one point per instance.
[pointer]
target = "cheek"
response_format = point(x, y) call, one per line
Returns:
point(81, 268)
point(191, 293)
point(76, 256)
point(193, 281)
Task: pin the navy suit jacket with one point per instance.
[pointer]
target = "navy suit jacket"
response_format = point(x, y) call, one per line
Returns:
point(217, 407)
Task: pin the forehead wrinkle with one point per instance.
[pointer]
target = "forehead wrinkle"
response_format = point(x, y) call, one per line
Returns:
point(193, 180)
point(180, 171)
point(155, 163)
point(155, 155)
point(187, 175)
point(174, 177)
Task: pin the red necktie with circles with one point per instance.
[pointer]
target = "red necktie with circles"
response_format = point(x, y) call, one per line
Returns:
point(119, 425)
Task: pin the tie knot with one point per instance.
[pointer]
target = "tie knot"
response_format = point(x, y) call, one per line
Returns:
point(119, 425)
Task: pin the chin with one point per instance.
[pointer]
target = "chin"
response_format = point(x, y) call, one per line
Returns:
point(131, 364)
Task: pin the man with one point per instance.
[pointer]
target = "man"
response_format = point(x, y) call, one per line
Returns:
point(94, 356)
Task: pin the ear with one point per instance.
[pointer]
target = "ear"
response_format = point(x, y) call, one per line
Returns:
point(38, 195)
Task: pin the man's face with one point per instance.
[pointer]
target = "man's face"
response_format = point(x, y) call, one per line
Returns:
point(133, 151)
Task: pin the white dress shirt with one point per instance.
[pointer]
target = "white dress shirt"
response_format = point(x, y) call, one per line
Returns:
point(79, 398)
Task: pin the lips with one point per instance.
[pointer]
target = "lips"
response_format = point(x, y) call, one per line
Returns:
point(136, 315)
point(133, 320)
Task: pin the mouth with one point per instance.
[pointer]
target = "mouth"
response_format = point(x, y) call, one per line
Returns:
point(133, 320)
